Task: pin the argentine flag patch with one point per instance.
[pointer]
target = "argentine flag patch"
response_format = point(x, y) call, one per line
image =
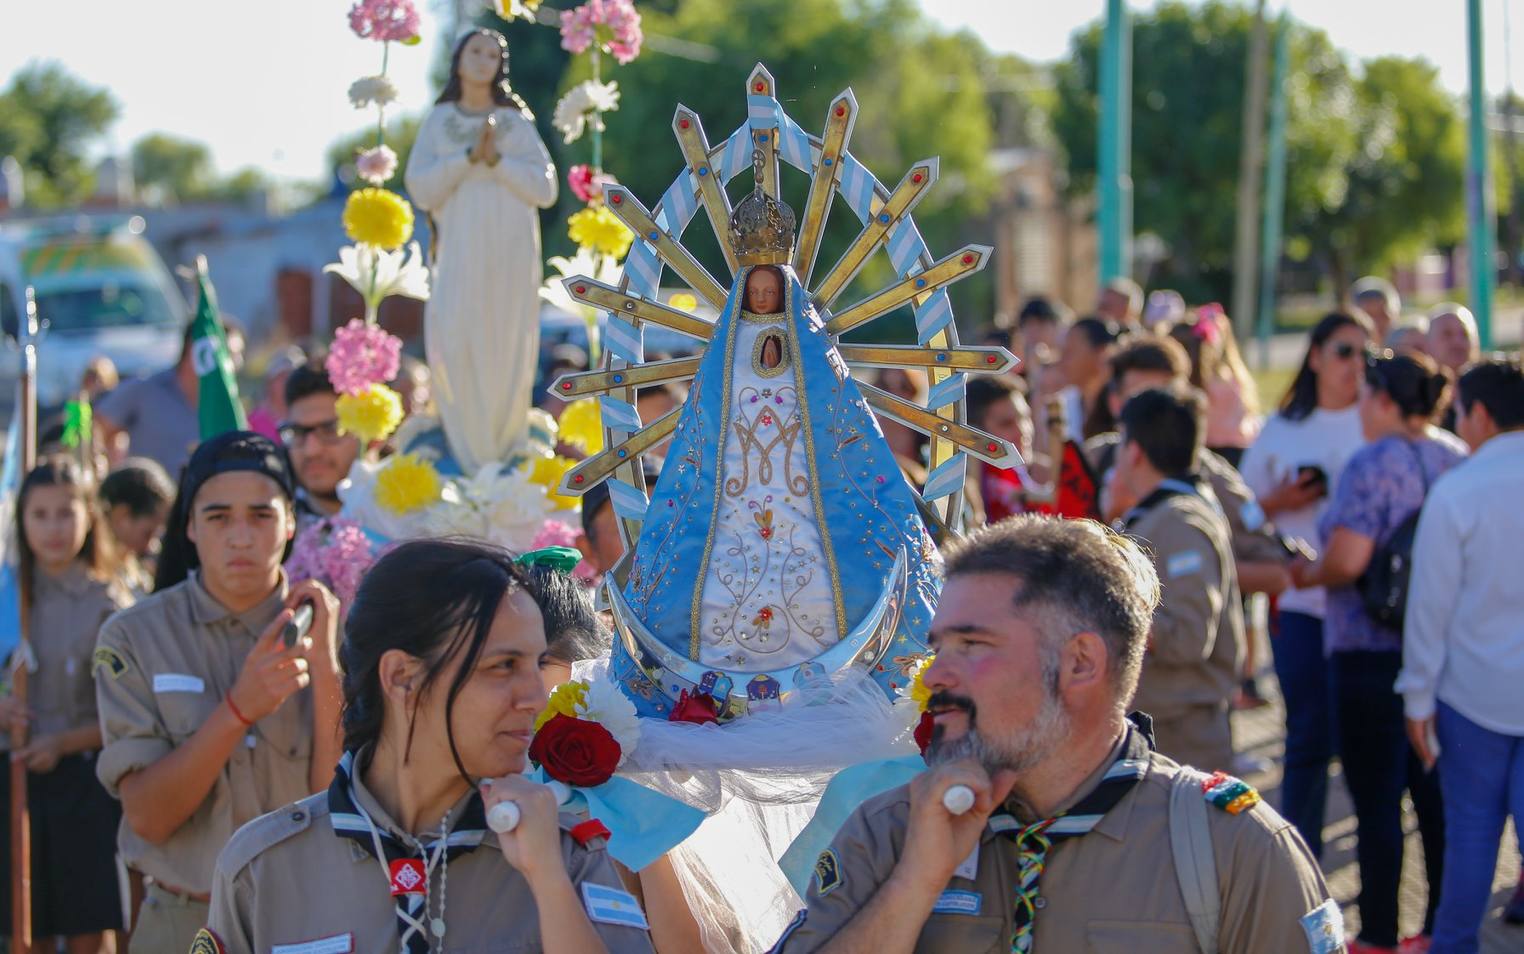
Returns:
point(608, 905)
point(1324, 927)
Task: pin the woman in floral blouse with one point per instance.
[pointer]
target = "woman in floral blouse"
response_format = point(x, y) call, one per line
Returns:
point(1383, 484)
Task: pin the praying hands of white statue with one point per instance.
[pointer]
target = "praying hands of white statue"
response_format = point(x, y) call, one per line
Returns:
point(485, 149)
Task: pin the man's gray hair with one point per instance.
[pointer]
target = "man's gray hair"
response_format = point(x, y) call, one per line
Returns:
point(1374, 286)
point(1071, 576)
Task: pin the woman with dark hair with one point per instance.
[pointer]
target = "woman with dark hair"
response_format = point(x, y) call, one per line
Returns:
point(442, 653)
point(1384, 484)
point(67, 574)
point(1086, 364)
point(1292, 466)
point(480, 170)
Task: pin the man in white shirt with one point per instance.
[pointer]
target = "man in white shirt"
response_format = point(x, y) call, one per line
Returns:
point(1463, 645)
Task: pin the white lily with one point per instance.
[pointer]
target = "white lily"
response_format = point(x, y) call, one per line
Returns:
point(378, 274)
point(583, 106)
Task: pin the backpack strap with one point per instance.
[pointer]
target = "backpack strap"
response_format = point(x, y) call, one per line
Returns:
point(1190, 841)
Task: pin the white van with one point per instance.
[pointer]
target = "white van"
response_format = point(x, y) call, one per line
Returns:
point(100, 289)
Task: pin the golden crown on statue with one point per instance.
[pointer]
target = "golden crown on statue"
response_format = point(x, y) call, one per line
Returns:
point(762, 227)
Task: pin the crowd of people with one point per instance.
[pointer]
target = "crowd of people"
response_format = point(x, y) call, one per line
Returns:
point(1362, 524)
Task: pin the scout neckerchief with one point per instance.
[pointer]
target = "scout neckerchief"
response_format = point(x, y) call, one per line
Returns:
point(408, 867)
point(1033, 841)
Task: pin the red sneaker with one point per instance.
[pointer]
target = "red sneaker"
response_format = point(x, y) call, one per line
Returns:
point(1417, 944)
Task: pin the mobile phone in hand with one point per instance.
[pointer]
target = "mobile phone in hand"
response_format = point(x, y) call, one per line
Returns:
point(298, 625)
point(1310, 475)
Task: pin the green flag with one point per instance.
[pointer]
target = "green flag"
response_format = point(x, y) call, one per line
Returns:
point(218, 406)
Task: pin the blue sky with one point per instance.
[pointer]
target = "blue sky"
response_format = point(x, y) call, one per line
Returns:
point(264, 84)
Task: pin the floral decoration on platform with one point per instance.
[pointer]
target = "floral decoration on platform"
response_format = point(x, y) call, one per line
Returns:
point(588, 729)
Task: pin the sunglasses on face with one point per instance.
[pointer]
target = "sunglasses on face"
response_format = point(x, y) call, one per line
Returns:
point(1343, 350)
point(293, 435)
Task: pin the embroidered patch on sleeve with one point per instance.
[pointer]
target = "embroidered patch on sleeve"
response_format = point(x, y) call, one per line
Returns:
point(1183, 564)
point(827, 873)
point(958, 902)
point(608, 905)
point(1324, 927)
point(205, 942)
point(109, 661)
point(1252, 515)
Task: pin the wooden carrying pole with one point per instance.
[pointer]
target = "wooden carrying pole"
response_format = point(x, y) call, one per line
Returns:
point(21, 821)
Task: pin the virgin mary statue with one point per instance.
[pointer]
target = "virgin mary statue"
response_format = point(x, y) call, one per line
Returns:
point(481, 171)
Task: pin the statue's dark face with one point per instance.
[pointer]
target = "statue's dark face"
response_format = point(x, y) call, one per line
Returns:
point(479, 61)
point(764, 292)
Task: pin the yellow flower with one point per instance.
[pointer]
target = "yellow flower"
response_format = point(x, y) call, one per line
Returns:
point(378, 217)
point(407, 483)
point(919, 692)
point(599, 229)
point(547, 472)
point(683, 301)
point(563, 701)
point(371, 415)
point(582, 424)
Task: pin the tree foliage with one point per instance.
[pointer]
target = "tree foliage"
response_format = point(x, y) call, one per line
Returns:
point(1187, 98)
point(48, 120)
point(1405, 179)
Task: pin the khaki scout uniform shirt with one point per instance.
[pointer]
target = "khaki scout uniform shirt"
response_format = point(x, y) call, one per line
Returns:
point(66, 616)
point(162, 667)
point(289, 883)
point(1197, 641)
point(1111, 891)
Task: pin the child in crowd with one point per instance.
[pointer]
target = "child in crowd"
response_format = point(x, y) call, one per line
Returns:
point(67, 569)
point(136, 496)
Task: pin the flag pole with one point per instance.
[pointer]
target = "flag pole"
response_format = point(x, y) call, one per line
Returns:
point(21, 821)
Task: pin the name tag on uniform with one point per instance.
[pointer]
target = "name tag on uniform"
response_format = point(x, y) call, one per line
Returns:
point(338, 944)
point(1183, 564)
point(177, 682)
point(608, 905)
point(958, 902)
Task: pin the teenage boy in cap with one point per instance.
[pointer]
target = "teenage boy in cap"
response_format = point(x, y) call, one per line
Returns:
point(209, 719)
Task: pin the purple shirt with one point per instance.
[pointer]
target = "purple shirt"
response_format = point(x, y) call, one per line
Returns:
point(1380, 487)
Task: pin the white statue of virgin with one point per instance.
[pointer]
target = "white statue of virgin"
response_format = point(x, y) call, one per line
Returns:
point(481, 171)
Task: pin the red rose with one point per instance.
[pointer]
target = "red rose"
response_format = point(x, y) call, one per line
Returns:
point(698, 708)
point(575, 751)
point(923, 731)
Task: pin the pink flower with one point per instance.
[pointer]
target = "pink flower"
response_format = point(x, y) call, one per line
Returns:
point(384, 19)
point(376, 165)
point(554, 533)
point(585, 185)
point(335, 552)
point(613, 24)
point(362, 355)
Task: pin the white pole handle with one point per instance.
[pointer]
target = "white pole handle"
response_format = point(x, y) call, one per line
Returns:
point(958, 799)
point(504, 816)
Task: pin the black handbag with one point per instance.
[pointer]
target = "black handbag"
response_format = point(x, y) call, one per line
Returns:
point(1384, 584)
